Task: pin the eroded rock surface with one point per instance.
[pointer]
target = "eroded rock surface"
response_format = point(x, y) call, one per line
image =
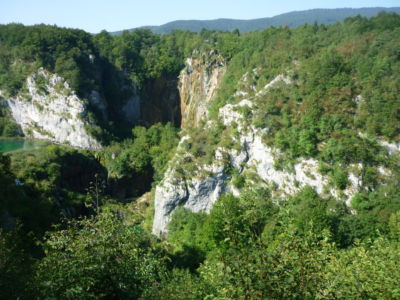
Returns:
point(49, 109)
point(198, 83)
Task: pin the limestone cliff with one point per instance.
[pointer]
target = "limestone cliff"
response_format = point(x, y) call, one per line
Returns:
point(248, 157)
point(198, 83)
point(49, 109)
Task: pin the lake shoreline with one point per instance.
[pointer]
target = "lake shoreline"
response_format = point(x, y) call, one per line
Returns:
point(9, 145)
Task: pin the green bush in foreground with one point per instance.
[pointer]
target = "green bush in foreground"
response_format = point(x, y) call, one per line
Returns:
point(97, 258)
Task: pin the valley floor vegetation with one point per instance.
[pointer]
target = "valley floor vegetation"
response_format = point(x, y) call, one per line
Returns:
point(74, 223)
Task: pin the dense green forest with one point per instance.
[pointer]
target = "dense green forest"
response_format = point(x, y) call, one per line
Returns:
point(73, 224)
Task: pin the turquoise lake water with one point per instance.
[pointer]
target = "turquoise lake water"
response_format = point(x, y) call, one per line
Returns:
point(9, 145)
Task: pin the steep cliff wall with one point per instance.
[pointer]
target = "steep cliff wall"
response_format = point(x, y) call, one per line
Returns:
point(49, 109)
point(198, 83)
point(197, 186)
point(183, 101)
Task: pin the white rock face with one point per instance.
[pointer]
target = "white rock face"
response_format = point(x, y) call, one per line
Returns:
point(230, 113)
point(390, 147)
point(194, 194)
point(262, 158)
point(199, 193)
point(51, 110)
point(272, 83)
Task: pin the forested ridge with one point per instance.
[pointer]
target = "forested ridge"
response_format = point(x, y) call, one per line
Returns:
point(291, 19)
point(74, 224)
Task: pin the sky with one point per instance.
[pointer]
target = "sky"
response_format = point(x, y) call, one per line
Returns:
point(113, 15)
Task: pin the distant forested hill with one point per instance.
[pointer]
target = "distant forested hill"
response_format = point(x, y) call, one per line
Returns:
point(291, 19)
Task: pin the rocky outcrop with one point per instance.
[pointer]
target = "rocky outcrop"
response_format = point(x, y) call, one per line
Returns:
point(49, 109)
point(198, 192)
point(392, 148)
point(198, 83)
point(183, 101)
point(193, 193)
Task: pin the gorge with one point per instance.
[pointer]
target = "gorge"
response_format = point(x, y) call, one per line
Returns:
point(208, 165)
